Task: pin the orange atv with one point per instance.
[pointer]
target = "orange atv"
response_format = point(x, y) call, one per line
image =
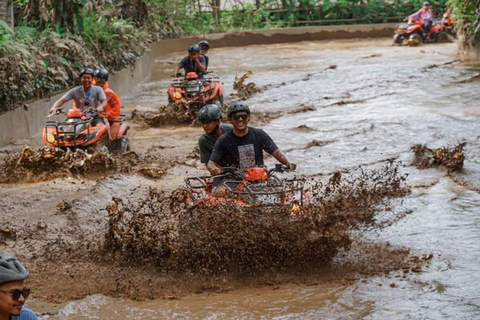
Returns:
point(194, 91)
point(77, 130)
point(255, 187)
point(412, 32)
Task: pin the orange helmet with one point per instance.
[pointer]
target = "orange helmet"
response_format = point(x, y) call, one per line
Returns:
point(74, 113)
point(192, 76)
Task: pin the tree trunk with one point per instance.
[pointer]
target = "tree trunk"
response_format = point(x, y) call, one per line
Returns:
point(216, 10)
point(6, 11)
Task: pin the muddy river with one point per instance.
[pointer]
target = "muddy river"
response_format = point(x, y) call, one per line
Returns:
point(363, 102)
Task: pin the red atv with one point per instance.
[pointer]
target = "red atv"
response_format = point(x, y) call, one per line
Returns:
point(194, 91)
point(412, 33)
point(77, 131)
point(255, 187)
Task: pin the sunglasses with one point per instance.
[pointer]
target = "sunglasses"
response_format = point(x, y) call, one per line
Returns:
point(244, 116)
point(25, 292)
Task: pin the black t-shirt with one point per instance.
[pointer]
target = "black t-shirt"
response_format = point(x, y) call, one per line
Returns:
point(189, 65)
point(242, 152)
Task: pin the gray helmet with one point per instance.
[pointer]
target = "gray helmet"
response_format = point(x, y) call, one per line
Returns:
point(101, 73)
point(204, 45)
point(87, 71)
point(11, 269)
point(194, 48)
point(237, 106)
point(426, 3)
point(209, 112)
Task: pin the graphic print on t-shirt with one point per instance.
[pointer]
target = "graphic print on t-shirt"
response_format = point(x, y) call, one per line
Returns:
point(246, 156)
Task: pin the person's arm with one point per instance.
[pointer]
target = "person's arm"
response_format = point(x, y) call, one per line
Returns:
point(58, 104)
point(200, 62)
point(101, 107)
point(416, 14)
point(214, 168)
point(115, 105)
point(277, 154)
point(102, 98)
point(176, 71)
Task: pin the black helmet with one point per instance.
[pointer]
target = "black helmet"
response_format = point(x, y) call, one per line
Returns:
point(237, 106)
point(209, 112)
point(194, 48)
point(87, 71)
point(204, 45)
point(11, 269)
point(101, 73)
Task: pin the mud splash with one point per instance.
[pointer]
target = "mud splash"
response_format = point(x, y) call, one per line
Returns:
point(450, 158)
point(163, 231)
point(47, 163)
point(174, 113)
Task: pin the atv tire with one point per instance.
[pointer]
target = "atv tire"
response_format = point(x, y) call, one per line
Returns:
point(121, 145)
point(397, 39)
point(414, 40)
point(442, 37)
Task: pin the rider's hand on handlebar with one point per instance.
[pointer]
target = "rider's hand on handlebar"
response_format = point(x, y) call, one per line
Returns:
point(100, 110)
point(292, 166)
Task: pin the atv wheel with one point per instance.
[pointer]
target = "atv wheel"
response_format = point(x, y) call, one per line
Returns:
point(218, 100)
point(442, 37)
point(122, 145)
point(397, 39)
point(414, 40)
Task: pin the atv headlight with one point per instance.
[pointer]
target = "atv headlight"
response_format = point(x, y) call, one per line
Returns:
point(178, 95)
point(50, 137)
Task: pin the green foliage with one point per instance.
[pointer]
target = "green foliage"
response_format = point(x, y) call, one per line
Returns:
point(466, 14)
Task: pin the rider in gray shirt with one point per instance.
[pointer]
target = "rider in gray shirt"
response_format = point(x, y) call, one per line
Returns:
point(86, 95)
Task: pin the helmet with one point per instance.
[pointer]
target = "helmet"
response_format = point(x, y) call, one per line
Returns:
point(194, 48)
point(237, 106)
point(101, 73)
point(87, 71)
point(209, 112)
point(11, 269)
point(426, 3)
point(204, 44)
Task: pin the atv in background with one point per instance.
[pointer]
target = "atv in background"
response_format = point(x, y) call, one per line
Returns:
point(412, 32)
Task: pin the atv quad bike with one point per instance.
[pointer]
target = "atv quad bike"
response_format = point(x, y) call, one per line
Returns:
point(412, 33)
point(78, 131)
point(186, 96)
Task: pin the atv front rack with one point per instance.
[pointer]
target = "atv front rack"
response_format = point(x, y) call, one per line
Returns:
point(67, 136)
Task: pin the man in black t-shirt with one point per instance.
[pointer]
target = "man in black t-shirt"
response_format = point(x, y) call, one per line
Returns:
point(243, 146)
point(194, 62)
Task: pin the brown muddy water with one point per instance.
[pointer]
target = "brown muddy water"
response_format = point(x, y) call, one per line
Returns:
point(420, 258)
